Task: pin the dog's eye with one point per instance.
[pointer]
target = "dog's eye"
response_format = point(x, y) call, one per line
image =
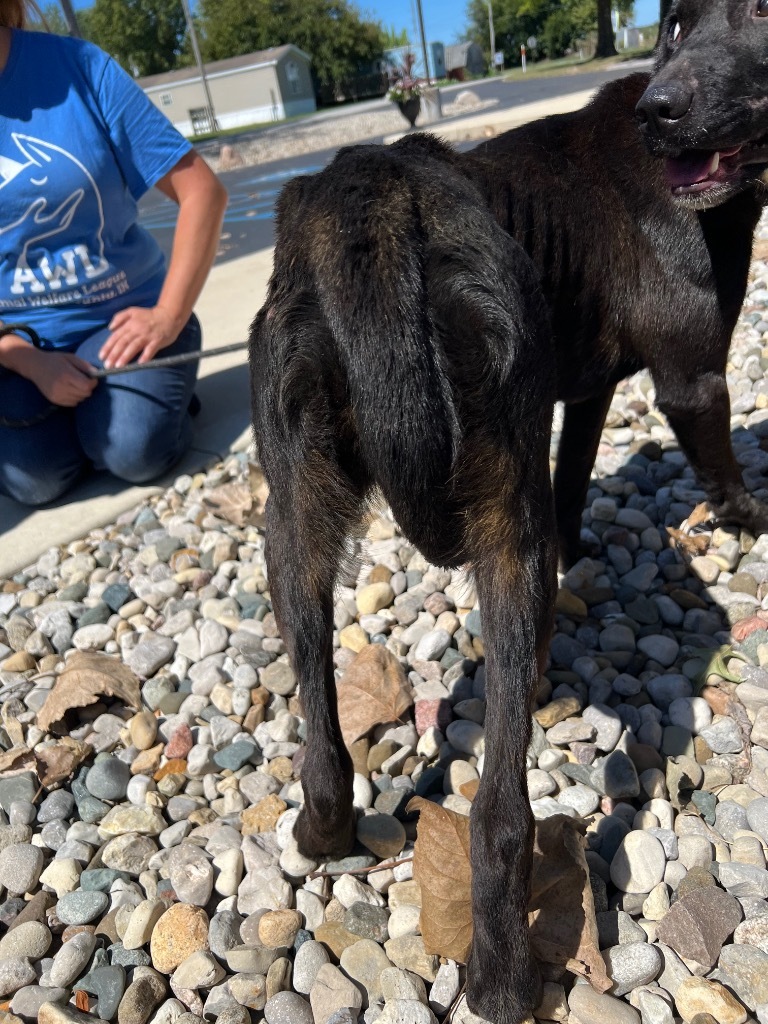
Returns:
point(673, 33)
point(762, 8)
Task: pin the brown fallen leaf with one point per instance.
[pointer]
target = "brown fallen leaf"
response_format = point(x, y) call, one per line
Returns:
point(691, 544)
point(59, 761)
point(441, 867)
point(230, 501)
point(87, 677)
point(15, 760)
point(701, 514)
point(9, 713)
point(373, 690)
point(81, 1000)
point(561, 912)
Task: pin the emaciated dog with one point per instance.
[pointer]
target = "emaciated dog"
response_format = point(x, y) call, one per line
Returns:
point(404, 346)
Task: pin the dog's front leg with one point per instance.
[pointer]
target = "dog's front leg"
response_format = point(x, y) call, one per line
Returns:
point(699, 412)
point(576, 454)
point(516, 591)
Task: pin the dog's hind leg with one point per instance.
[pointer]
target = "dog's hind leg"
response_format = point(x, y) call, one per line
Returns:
point(514, 557)
point(309, 513)
point(576, 454)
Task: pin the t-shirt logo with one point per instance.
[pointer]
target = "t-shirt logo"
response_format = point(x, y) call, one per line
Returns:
point(58, 192)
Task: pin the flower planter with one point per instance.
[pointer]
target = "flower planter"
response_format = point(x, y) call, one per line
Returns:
point(410, 109)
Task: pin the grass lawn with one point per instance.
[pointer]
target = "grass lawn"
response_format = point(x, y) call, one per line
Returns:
point(574, 65)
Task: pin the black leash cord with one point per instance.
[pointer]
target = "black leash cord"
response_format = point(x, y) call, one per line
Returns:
point(99, 374)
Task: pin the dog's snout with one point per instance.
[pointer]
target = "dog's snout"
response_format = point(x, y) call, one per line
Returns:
point(664, 105)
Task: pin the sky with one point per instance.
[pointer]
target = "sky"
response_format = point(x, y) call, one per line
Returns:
point(445, 20)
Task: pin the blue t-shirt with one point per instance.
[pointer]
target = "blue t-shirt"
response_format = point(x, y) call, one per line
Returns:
point(80, 143)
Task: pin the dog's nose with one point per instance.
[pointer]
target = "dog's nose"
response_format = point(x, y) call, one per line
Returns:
point(662, 106)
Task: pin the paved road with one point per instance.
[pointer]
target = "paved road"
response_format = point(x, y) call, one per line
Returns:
point(249, 221)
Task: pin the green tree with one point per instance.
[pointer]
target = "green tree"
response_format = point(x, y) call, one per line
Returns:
point(339, 40)
point(557, 34)
point(396, 37)
point(145, 36)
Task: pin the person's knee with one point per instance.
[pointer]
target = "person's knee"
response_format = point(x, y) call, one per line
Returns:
point(35, 489)
point(139, 460)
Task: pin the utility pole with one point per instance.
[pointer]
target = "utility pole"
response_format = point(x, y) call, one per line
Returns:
point(423, 42)
point(200, 66)
point(71, 18)
point(492, 33)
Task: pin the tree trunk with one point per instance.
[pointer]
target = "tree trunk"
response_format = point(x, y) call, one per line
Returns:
point(71, 18)
point(664, 6)
point(606, 43)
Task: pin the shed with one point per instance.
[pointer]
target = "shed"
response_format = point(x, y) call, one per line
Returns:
point(268, 85)
point(465, 56)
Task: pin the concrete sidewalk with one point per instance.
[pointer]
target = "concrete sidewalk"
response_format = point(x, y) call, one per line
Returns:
point(232, 295)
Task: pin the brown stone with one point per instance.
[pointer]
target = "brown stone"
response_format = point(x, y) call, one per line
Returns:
point(379, 753)
point(203, 816)
point(701, 920)
point(146, 762)
point(279, 976)
point(336, 937)
point(254, 716)
point(557, 711)
point(358, 751)
point(77, 929)
point(176, 766)
point(180, 932)
point(281, 768)
point(34, 910)
point(380, 574)
point(278, 928)
point(698, 997)
point(19, 662)
point(701, 750)
point(108, 927)
point(263, 816)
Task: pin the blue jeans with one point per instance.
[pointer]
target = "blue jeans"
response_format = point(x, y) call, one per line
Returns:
point(135, 425)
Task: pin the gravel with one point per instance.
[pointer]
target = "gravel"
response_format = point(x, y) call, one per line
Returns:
point(159, 878)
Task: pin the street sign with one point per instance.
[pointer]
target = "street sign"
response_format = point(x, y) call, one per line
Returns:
point(522, 55)
point(533, 42)
point(498, 58)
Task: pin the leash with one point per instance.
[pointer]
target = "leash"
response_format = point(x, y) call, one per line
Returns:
point(100, 374)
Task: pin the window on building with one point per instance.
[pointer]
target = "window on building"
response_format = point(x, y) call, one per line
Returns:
point(166, 99)
point(294, 76)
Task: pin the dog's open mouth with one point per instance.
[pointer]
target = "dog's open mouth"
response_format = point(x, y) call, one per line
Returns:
point(695, 171)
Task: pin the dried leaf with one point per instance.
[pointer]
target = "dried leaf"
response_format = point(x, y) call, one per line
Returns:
point(10, 712)
point(81, 1000)
point(701, 514)
point(713, 664)
point(16, 759)
point(59, 761)
point(259, 493)
point(692, 545)
point(231, 502)
point(87, 677)
point(441, 867)
point(373, 690)
point(561, 912)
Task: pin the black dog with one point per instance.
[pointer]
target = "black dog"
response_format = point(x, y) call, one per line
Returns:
point(403, 345)
point(638, 272)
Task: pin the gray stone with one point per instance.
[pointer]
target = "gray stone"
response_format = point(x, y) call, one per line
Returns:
point(745, 970)
point(15, 973)
point(20, 867)
point(310, 957)
point(108, 779)
point(287, 1008)
point(150, 654)
point(81, 907)
point(638, 864)
point(631, 965)
point(589, 1007)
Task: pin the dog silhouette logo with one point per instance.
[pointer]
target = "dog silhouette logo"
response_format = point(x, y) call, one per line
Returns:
point(38, 169)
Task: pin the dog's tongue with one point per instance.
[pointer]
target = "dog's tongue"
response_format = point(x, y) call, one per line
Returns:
point(690, 168)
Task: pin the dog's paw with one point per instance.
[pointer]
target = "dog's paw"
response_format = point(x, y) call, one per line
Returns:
point(508, 1001)
point(747, 512)
point(325, 839)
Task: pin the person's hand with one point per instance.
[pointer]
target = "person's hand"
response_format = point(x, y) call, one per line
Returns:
point(63, 378)
point(138, 332)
